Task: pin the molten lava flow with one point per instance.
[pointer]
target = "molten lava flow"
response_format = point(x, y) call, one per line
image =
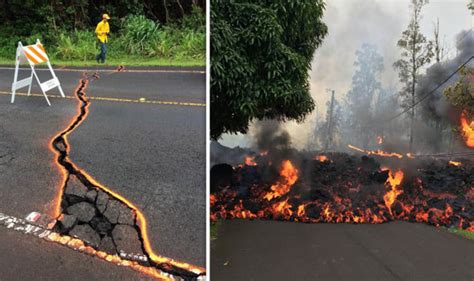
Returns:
point(467, 130)
point(394, 182)
point(290, 175)
point(350, 190)
point(376, 152)
point(454, 163)
point(321, 158)
point(61, 147)
point(250, 161)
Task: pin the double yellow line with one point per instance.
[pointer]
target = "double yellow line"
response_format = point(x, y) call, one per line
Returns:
point(119, 100)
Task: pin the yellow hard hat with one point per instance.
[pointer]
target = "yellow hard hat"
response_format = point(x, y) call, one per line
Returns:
point(105, 16)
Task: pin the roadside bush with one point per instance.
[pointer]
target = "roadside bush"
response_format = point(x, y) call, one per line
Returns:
point(137, 32)
point(138, 37)
point(80, 45)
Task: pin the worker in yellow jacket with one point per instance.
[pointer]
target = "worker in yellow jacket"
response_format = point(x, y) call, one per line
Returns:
point(102, 30)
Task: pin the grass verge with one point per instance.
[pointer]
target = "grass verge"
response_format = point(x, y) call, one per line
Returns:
point(463, 233)
point(129, 61)
point(214, 228)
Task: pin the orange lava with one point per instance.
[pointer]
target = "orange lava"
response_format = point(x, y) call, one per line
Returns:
point(376, 152)
point(467, 129)
point(290, 175)
point(250, 161)
point(454, 163)
point(321, 158)
point(394, 180)
point(142, 223)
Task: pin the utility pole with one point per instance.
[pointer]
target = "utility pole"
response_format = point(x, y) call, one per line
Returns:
point(329, 134)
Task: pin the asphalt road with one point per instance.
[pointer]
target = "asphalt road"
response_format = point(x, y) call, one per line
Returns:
point(152, 154)
point(270, 250)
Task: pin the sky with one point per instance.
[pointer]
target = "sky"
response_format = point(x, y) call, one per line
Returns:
point(352, 23)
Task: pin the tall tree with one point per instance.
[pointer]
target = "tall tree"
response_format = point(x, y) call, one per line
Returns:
point(361, 97)
point(416, 52)
point(261, 52)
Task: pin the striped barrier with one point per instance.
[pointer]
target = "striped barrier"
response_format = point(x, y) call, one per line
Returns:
point(33, 55)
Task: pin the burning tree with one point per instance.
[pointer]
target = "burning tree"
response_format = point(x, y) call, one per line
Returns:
point(461, 95)
point(261, 52)
point(416, 52)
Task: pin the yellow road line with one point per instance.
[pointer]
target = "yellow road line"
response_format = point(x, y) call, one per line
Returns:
point(118, 100)
point(113, 70)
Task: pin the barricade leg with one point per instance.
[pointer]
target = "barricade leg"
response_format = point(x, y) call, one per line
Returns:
point(44, 94)
point(31, 77)
point(15, 79)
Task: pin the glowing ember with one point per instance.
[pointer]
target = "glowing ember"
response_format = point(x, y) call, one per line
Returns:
point(376, 152)
point(455, 163)
point(321, 158)
point(467, 130)
point(290, 175)
point(249, 161)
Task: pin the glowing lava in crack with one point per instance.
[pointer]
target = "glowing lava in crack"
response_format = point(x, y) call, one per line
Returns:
point(60, 146)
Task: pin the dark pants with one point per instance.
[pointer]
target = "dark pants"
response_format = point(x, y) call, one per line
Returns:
point(103, 51)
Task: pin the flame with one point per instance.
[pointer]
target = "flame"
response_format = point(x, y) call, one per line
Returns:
point(290, 176)
point(321, 158)
point(394, 181)
point(282, 208)
point(249, 161)
point(376, 152)
point(467, 129)
point(454, 163)
point(379, 139)
point(142, 223)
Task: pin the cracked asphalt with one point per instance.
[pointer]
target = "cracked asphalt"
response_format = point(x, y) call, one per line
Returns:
point(271, 250)
point(153, 155)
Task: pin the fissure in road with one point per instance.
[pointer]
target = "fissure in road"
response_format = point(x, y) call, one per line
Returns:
point(94, 213)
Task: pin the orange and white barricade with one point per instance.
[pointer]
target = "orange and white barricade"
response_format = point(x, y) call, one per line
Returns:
point(33, 55)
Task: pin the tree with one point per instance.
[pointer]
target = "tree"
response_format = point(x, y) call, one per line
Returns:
point(360, 98)
point(261, 52)
point(416, 52)
point(461, 94)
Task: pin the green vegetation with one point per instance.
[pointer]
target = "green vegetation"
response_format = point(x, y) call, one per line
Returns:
point(261, 53)
point(214, 229)
point(135, 39)
point(463, 233)
point(461, 94)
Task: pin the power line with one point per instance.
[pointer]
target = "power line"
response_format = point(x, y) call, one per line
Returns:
point(431, 92)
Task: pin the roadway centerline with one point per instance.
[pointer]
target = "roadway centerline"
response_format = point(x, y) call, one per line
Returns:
point(157, 102)
point(113, 70)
